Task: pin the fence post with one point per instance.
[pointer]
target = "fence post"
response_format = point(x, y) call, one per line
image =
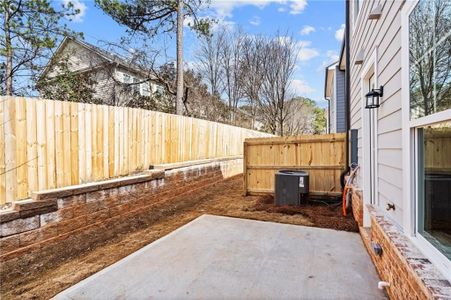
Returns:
point(47, 144)
point(245, 168)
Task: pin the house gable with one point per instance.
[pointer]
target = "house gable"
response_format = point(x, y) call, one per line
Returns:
point(79, 58)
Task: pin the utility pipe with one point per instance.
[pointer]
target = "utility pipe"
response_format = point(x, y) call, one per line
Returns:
point(347, 90)
point(382, 284)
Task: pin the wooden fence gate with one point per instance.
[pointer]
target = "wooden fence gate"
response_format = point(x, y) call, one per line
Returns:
point(322, 156)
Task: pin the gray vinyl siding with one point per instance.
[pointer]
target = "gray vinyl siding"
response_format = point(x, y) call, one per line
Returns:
point(340, 100)
point(333, 115)
point(105, 87)
point(385, 32)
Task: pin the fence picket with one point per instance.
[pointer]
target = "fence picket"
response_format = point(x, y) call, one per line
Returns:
point(21, 148)
point(59, 145)
point(46, 144)
point(2, 151)
point(321, 155)
point(32, 150)
point(74, 159)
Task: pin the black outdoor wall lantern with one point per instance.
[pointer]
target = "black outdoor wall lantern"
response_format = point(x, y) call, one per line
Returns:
point(372, 98)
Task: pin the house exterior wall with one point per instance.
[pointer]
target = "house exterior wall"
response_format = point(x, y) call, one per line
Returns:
point(333, 111)
point(335, 92)
point(122, 94)
point(413, 270)
point(340, 100)
point(380, 41)
point(105, 87)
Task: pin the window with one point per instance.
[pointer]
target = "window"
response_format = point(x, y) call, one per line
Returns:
point(135, 85)
point(126, 78)
point(145, 89)
point(429, 74)
point(430, 58)
point(160, 90)
point(434, 185)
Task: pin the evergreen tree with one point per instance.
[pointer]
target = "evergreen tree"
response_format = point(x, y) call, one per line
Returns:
point(159, 16)
point(30, 29)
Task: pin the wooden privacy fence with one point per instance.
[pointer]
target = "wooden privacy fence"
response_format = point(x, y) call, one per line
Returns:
point(323, 156)
point(46, 144)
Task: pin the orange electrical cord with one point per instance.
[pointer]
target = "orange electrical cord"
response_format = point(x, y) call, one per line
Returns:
point(345, 190)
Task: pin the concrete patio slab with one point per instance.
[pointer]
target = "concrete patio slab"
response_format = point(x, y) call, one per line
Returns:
point(219, 257)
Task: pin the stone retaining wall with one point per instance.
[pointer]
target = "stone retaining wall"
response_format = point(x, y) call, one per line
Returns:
point(410, 274)
point(57, 224)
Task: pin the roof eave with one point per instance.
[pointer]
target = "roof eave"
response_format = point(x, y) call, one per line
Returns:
point(342, 60)
point(326, 79)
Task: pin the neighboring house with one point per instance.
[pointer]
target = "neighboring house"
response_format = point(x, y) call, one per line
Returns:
point(402, 193)
point(115, 78)
point(334, 92)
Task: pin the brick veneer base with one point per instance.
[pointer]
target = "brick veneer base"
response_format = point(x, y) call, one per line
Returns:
point(62, 223)
point(357, 206)
point(410, 274)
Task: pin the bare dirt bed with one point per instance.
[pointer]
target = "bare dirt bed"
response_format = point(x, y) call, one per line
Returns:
point(224, 198)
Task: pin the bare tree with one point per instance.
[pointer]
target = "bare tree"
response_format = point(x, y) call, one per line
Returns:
point(258, 71)
point(231, 68)
point(197, 101)
point(252, 66)
point(209, 58)
point(254, 69)
point(279, 64)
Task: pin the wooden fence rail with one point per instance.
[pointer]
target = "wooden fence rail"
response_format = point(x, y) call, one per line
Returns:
point(46, 144)
point(323, 156)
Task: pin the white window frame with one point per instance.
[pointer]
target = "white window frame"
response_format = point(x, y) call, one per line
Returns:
point(119, 75)
point(159, 88)
point(370, 68)
point(145, 87)
point(135, 85)
point(410, 155)
point(124, 76)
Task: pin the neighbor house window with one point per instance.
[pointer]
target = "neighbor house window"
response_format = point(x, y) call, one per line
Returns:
point(135, 85)
point(430, 120)
point(160, 90)
point(126, 78)
point(145, 89)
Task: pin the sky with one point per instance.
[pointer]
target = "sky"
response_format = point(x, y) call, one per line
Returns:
point(317, 25)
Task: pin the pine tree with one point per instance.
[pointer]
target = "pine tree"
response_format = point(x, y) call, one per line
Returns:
point(152, 17)
point(30, 29)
